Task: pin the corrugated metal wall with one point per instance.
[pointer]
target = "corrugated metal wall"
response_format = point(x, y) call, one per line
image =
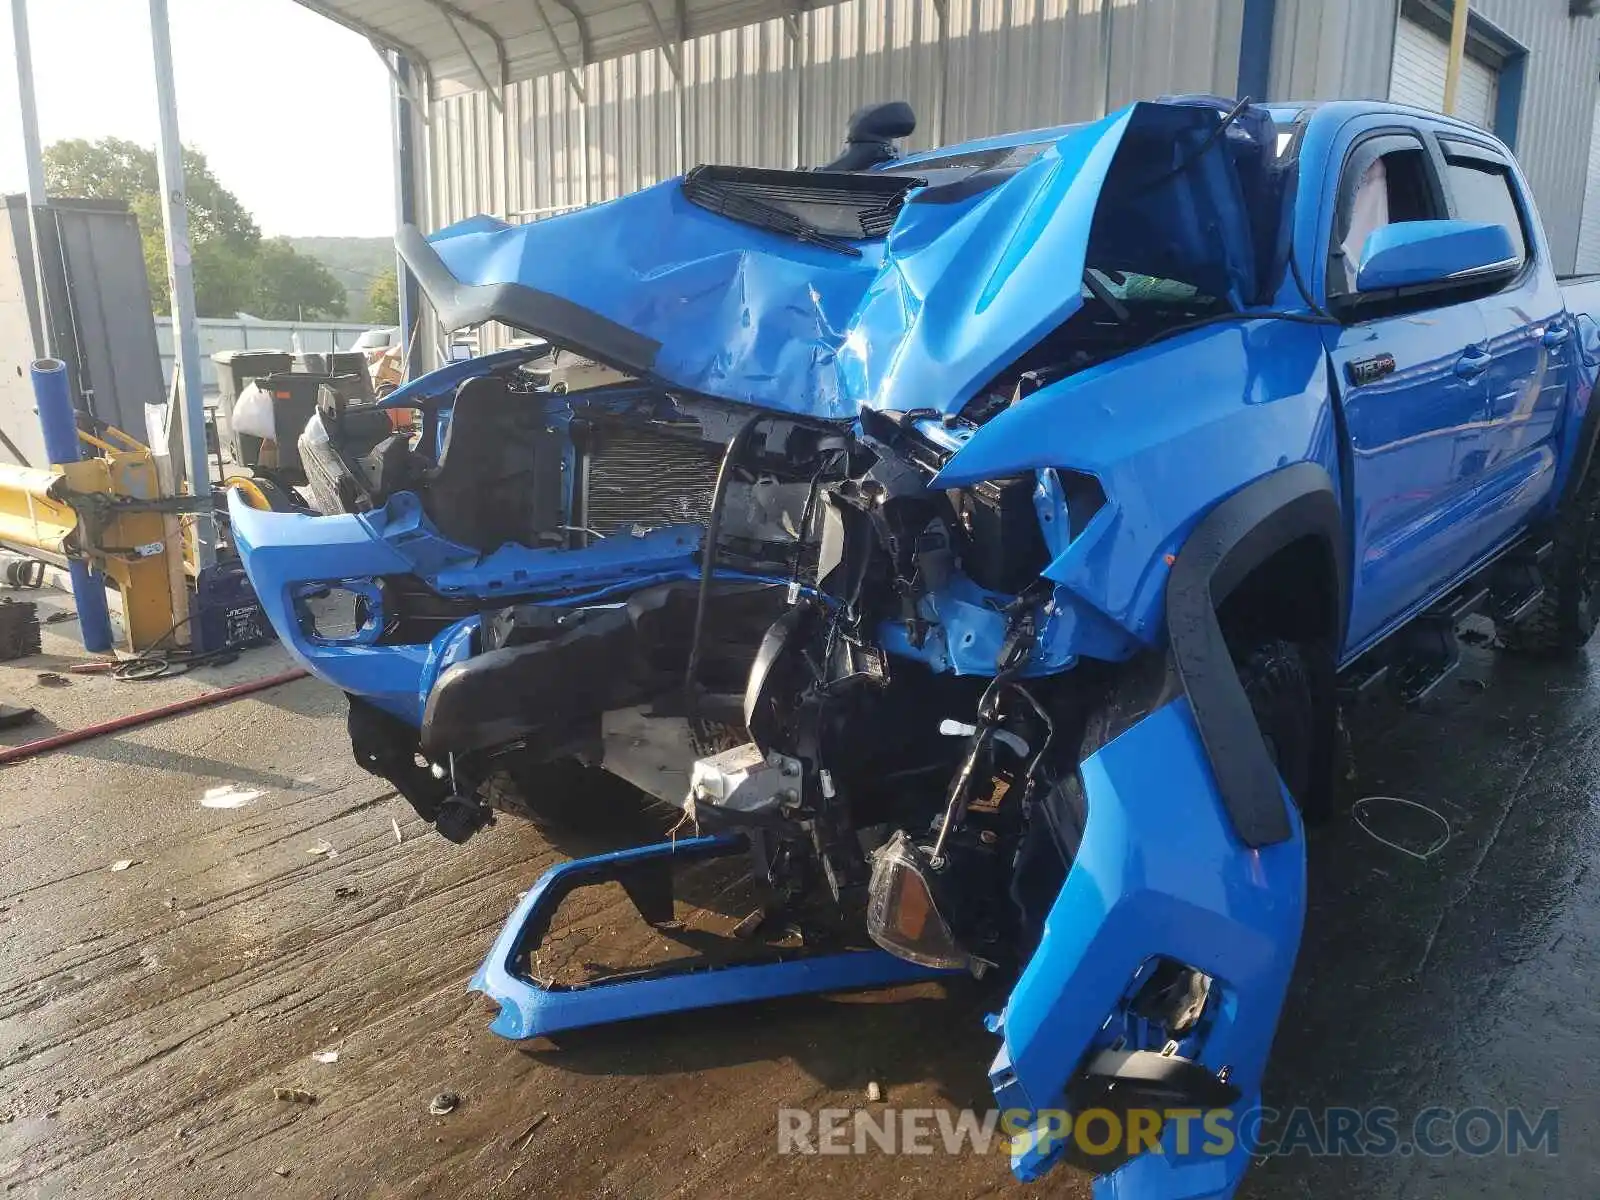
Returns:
point(1557, 108)
point(778, 93)
point(1331, 49)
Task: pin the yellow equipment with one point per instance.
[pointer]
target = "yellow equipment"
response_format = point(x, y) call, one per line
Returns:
point(109, 512)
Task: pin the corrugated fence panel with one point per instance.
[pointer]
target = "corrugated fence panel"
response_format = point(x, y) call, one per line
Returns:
point(1557, 108)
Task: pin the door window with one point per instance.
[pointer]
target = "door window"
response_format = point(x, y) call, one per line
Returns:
point(1387, 179)
point(1481, 191)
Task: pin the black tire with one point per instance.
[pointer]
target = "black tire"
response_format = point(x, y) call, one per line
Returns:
point(1290, 686)
point(280, 497)
point(1291, 690)
point(1564, 620)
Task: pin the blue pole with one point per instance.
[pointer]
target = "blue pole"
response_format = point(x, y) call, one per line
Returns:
point(60, 426)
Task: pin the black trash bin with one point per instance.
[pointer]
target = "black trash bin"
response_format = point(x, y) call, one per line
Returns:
point(235, 370)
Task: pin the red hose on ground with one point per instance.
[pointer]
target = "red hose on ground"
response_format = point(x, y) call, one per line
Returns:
point(55, 741)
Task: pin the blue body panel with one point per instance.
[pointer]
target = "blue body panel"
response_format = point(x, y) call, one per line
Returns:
point(1449, 431)
point(1135, 891)
point(1253, 397)
point(1417, 252)
point(529, 1009)
point(960, 287)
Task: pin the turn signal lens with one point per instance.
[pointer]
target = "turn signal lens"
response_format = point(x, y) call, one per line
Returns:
point(902, 915)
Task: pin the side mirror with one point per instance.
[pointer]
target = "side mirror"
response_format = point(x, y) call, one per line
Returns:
point(1439, 253)
point(870, 135)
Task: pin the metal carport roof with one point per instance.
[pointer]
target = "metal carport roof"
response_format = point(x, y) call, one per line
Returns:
point(487, 43)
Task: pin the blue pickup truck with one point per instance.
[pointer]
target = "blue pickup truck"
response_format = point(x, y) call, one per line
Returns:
point(982, 541)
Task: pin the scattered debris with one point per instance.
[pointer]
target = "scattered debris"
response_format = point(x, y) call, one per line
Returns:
point(52, 679)
point(326, 1057)
point(96, 667)
point(345, 892)
point(522, 1139)
point(122, 864)
point(281, 1172)
point(19, 629)
point(395, 825)
point(19, 571)
point(517, 1167)
point(874, 1092)
point(62, 617)
point(294, 1095)
point(1362, 811)
point(228, 796)
point(444, 1102)
point(750, 925)
point(324, 849)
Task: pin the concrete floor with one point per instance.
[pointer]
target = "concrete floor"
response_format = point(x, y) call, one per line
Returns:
point(146, 1015)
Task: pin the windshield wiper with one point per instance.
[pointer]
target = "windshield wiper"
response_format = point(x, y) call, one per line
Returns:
point(1102, 293)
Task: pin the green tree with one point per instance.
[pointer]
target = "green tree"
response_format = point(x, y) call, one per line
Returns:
point(235, 269)
point(383, 299)
point(289, 286)
point(127, 171)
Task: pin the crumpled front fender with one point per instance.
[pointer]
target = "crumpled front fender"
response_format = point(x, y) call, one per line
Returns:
point(1160, 872)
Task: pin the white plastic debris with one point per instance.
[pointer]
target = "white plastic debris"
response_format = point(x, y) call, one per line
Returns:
point(324, 849)
point(326, 1057)
point(229, 796)
point(874, 1092)
point(122, 864)
point(395, 825)
point(444, 1102)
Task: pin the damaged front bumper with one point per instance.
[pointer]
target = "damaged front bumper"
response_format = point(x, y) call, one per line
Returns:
point(529, 1008)
point(1160, 875)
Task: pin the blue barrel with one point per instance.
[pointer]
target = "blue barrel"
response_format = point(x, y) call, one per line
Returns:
point(59, 423)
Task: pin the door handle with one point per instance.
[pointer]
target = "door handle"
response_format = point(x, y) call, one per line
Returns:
point(1474, 361)
point(1556, 335)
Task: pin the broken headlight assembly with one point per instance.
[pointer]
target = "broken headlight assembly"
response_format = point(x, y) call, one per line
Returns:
point(902, 913)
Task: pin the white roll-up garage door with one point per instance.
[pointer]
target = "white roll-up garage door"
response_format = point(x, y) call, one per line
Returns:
point(1420, 59)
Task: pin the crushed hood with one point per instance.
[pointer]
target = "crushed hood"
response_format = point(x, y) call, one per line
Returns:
point(971, 274)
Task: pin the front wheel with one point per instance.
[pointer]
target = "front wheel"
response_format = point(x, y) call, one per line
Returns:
point(1291, 691)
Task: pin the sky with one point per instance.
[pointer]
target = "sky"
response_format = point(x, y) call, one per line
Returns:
point(291, 110)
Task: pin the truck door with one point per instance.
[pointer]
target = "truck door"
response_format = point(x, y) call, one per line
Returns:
point(1410, 374)
point(1511, 463)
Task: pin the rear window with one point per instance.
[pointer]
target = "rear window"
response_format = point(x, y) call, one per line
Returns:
point(1481, 191)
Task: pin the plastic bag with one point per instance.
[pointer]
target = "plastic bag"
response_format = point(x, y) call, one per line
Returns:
point(252, 413)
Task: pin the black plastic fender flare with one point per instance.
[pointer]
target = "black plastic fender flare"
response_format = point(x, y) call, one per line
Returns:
point(1239, 534)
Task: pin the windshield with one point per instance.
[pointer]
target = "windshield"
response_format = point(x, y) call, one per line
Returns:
point(1125, 292)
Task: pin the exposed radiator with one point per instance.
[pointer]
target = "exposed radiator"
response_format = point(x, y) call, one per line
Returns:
point(642, 477)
